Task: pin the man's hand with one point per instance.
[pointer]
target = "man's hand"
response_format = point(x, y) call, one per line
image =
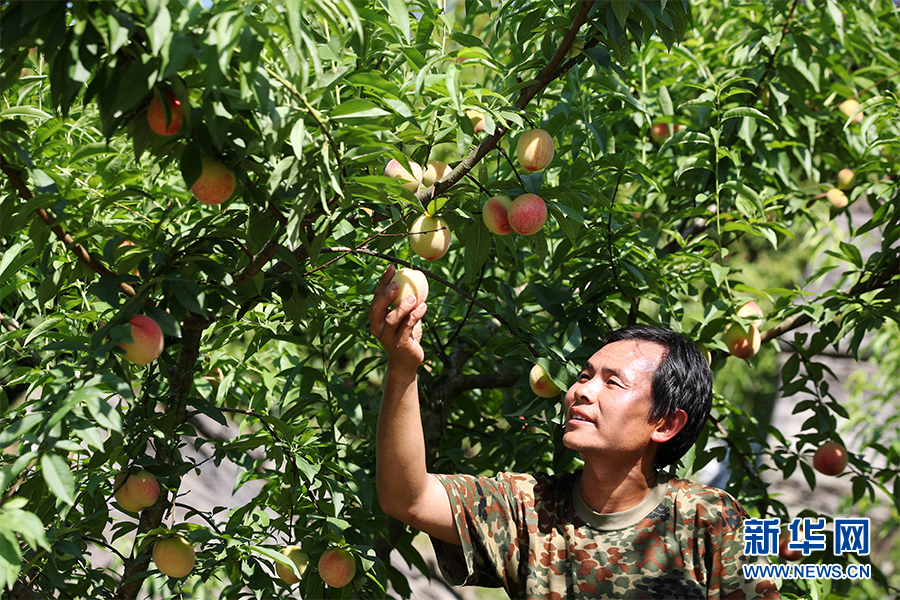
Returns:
point(399, 330)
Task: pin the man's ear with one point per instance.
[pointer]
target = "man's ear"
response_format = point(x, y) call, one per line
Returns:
point(668, 428)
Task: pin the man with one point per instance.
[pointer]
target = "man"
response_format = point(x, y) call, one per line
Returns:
point(617, 528)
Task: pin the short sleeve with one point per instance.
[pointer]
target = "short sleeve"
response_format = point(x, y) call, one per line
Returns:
point(488, 517)
point(728, 581)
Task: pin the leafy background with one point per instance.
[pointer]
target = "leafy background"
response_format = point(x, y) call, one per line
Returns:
point(306, 102)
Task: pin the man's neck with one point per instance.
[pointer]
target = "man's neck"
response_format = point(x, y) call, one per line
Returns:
point(610, 490)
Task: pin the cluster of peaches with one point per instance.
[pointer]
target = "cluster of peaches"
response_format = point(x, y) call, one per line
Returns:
point(174, 556)
point(216, 182)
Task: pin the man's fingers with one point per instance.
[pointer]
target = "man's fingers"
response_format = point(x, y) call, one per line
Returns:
point(384, 293)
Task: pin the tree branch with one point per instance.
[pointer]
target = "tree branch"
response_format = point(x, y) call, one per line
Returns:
point(80, 252)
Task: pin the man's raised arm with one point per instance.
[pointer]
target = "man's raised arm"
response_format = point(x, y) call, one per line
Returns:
point(405, 488)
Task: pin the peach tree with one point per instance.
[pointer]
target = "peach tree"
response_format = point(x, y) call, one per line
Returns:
point(218, 168)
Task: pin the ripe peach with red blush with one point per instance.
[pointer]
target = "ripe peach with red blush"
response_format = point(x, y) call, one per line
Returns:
point(534, 150)
point(527, 214)
point(413, 181)
point(659, 132)
point(830, 458)
point(156, 115)
point(337, 567)
point(215, 184)
point(147, 341)
point(496, 215)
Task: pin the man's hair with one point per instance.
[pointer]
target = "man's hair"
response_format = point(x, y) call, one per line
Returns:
point(682, 380)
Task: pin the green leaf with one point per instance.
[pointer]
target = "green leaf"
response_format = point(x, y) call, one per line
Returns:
point(357, 109)
point(477, 248)
point(160, 29)
point(399, 13)
point(24, 111)
point(694, 162)
point(48, 324)
point(58, 477)
point(746, 111)
point(622, 8)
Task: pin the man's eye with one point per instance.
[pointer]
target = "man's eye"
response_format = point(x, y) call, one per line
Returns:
point(584, 376)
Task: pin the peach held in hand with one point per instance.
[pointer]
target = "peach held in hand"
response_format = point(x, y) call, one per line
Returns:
point(496, 215)
point(412, 283)
point(527, 214)
point(215, 184)
point(337, 567)
point(534, 150)
point(137, 492)
point(147, 341)
point(398, 171)
point(174, 556)
point(429, 237)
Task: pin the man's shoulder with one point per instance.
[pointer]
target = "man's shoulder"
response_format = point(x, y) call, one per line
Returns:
point(704, 504)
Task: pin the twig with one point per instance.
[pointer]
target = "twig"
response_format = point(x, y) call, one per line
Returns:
point(77, 249)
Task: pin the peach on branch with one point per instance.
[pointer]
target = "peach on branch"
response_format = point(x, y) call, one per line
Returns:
point(784, 551)
point(337, 567)
point(846, 179)
point(147, 341)
point(135, 492)
point(534, 150)
point(300, 560)
point(477, 120)
point(576, 47)
point(744, 342)
point(659, 132)
point(412, 283)
point(156, 115)
point(541, 384)
point(174, 556)
point(496, 215)
point(837, 198)
point(527, 214)
point(396, 170)
point(848, 107)
point(215, 184)
point(830, 458)
point(429, 237)
point(435, 170)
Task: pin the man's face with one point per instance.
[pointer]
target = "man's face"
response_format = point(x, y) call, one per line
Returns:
point(608, 407)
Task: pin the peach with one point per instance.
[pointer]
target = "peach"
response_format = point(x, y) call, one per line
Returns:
point(830, 458)
point(156, 116)
point(300, 560)
point(412, 283)
point(837, 198)
point(848, 107)
point(576, 47)
point(784, 551)
point(435, 170)
point(496, 215)
point(477, 120)
point(744, 342)
point(846, 179)
point(337, 567)
point(527, 214)
point(541, 384)
point(137, 492)
point(396, 170)
point(534, 150)
point(215, 184)
point(659, 132)
point(429, 237)
point(174, 556)
point(147, 341)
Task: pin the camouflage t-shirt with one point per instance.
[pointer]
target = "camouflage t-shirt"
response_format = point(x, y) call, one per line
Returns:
point(536, 537)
